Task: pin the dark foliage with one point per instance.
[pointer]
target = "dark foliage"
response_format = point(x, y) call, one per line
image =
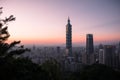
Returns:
point(4, 35)
point(6, 50)
point(52, 67)
point(21, 69)
point(96, 72)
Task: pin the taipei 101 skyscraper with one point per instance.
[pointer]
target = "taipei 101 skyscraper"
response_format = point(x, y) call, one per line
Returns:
point(69, 39)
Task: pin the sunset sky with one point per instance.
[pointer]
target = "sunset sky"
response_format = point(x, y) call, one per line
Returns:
point(44, 21)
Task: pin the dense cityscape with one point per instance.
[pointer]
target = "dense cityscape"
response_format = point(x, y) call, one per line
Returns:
point(74, 58)
point(43, 44)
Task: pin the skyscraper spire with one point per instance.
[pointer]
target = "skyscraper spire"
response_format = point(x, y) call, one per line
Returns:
point(68, 19)
point(69, 38)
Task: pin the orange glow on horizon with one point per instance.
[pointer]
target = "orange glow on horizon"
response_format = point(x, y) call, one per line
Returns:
point(63, 40)
point(40, 41)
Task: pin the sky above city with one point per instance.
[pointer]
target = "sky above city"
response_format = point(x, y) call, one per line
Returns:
point(44, 22)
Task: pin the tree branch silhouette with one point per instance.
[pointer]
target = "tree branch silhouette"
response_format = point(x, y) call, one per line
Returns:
point(5, 48)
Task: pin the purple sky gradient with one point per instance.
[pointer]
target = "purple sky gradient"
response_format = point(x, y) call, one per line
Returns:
point(44, 21)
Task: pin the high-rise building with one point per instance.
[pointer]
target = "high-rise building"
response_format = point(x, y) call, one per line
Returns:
point(89, 44)
point(101, 56)
point(90, 57)
point(69, 39)
point(109, 55)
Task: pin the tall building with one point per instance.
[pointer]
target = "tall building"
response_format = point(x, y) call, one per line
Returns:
point(69, 39)
point(90, 57)
point(89, 44)
point(101, 56)
point(109, 55)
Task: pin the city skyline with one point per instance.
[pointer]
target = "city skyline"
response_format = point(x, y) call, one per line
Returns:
point(43, 21)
